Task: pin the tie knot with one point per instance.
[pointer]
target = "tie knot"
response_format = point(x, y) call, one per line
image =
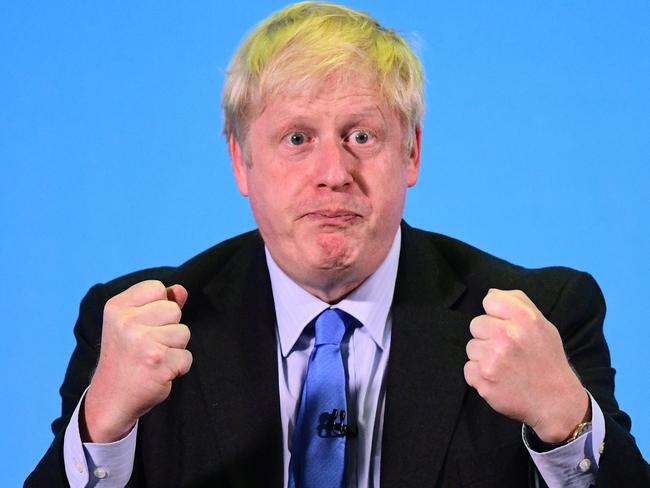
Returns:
point(330, 326)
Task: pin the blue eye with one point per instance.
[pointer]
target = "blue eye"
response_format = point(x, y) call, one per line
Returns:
point(361, 136)
point(297, 138)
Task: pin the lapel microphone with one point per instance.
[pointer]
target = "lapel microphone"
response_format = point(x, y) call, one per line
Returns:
point(336, 424)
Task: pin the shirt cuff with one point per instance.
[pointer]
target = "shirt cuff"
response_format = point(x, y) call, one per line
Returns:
point(97, 464)
point(574, 464)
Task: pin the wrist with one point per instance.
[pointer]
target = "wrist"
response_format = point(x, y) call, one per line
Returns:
point(99, 425)
point(568, 421)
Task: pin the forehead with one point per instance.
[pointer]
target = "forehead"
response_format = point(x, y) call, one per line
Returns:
point(334, 97)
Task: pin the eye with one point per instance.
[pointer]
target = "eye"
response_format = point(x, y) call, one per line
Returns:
point(360, 136)
point(297, 138)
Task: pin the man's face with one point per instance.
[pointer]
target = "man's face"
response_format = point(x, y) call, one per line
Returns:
point(327, 181)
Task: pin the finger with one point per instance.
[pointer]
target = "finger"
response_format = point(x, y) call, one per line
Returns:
point(177, 293)
point(506, 305)
point(171, 335)
point(178, 361)
point(486, 326)
point(470, 371)
point(160, 312)
point(477, 349)
point(523, 297)
point(140, 294)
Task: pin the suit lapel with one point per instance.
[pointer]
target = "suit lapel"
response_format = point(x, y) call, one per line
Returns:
point(425, 382)
point(234, 347)
point(232, 319)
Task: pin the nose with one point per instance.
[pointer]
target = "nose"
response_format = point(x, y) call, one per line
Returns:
point(334, 165)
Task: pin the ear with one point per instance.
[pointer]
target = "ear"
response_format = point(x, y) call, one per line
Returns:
point(413, 162)
point(238, 164)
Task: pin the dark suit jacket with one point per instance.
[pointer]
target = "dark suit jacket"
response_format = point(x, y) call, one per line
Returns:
point(220, 425)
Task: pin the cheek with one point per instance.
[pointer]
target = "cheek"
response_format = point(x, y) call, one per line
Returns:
point(388, 206)
point(272, 200)
point(392, 204)
point(261, 199)
point(389, 187)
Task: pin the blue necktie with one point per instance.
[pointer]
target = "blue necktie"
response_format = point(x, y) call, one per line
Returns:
point(318, 449)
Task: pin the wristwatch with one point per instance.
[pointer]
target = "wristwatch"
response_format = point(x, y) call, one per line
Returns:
point(580, 429)
point(539, 445)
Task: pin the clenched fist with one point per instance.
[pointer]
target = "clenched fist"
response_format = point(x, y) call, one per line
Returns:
point(142, 351)
point(518, 365)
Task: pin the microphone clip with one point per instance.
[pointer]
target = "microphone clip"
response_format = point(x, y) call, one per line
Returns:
point(338, 426)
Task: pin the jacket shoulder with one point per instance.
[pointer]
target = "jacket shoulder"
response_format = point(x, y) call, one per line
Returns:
point(478, 271)
point(194, 272)
point(473, 265)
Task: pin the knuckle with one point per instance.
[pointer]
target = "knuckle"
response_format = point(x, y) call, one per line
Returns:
point(167, 375)
point(154, 356)
point(519, 293)
point(532, 316)
point(512, 333)
point(467, 369)
point(489, 370)
point(149, 290)
point(493, 303)
point(471, 348)
point(187, 363)
point(507, 333)
point(185, 333)
point(176, 312)
point(507, 339)
point(504, 346)
point(169, 312)
point(488, 300)
point(488, 373)
point(154, 285)
point(481, 389)
point(469, 373)
point(499, 350)
point(111, 307)
point(475, 325)
point(127, 319)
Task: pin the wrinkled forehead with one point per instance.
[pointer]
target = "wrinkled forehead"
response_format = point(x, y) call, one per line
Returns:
point(301, 90)
point(330, 105)
point(334, 85)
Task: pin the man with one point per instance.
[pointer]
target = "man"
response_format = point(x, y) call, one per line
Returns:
point(456, 368)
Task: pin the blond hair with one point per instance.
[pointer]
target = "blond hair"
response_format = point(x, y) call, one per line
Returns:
point(306, 43)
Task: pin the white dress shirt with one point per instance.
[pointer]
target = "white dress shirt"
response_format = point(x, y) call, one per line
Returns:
point(365, 352)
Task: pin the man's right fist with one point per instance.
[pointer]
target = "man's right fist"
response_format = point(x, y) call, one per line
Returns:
point(142, 351)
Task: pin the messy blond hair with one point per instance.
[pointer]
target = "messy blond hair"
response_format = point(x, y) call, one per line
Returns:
point(304, 44)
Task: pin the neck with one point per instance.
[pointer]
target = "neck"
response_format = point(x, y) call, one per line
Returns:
point(335, 293)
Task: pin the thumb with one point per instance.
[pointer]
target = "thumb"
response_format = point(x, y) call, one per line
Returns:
point(178, 294)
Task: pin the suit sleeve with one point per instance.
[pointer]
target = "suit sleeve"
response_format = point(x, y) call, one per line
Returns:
point(579, 314)
point(50, 471)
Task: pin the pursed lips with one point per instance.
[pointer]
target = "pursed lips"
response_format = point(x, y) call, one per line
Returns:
point(332, 216)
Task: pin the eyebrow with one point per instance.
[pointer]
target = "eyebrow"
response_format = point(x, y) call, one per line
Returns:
point(302, 118)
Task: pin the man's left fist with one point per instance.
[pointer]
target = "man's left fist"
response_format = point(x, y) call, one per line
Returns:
point(518, 365)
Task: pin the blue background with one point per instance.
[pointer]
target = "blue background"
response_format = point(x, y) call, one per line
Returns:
point(536, 149)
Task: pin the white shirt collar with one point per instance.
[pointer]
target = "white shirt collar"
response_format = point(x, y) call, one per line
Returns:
point(369, 303)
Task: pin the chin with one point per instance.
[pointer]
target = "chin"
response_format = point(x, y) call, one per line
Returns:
point(335, 251)
point(330, 263)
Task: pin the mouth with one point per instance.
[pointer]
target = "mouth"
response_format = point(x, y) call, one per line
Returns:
point(335, 218)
